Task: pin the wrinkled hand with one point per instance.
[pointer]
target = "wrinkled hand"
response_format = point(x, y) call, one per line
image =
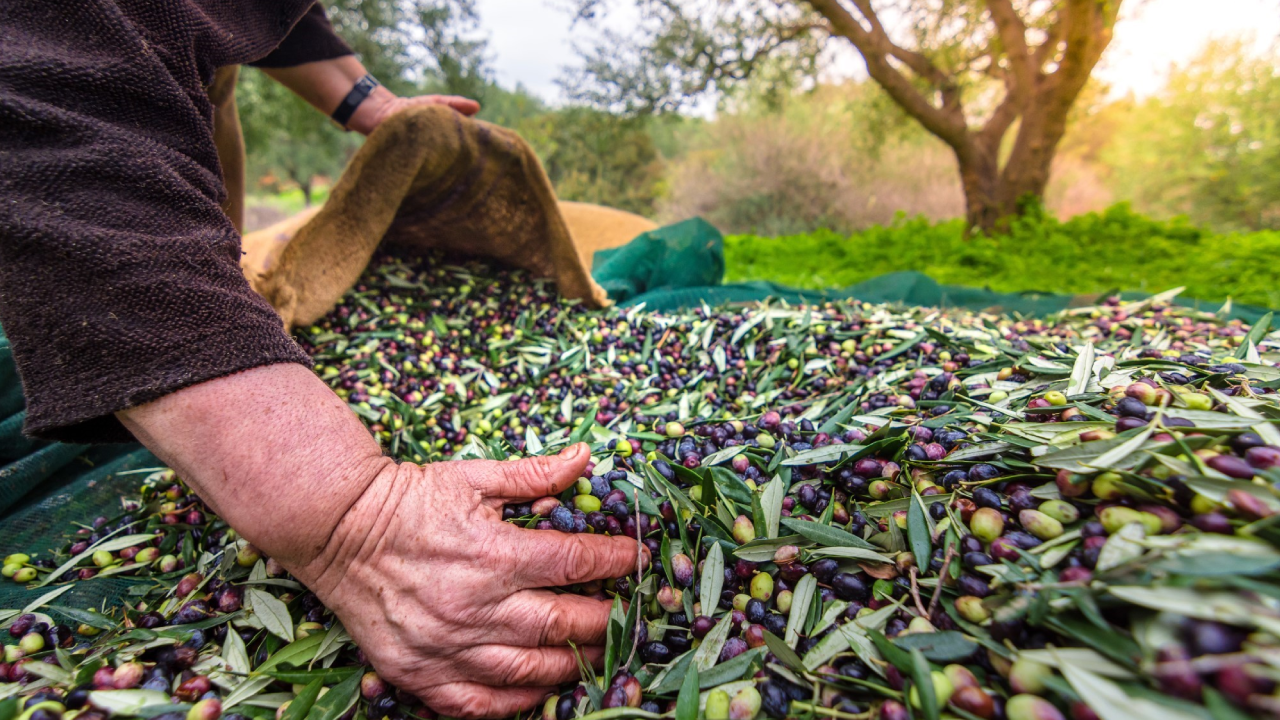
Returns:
point(382, 104)
point(443, 596)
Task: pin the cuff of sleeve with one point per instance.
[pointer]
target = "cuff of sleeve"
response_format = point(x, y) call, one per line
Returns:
point(86, 414)
point(312, 39)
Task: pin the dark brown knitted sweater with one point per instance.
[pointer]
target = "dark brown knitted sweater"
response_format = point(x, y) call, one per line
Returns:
point(120, 279)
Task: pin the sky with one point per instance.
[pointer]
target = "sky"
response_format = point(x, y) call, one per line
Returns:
point(530, 41)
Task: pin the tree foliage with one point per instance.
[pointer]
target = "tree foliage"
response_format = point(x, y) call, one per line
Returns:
point(1208, 145)
point(412, 46)
point(969, 71)
point(597, 157)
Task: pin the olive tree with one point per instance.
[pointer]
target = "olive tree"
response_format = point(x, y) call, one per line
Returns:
point(412, 46)
point(971, 72)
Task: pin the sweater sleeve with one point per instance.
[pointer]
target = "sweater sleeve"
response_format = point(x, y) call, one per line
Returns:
point(120, 279)
point(311, 39)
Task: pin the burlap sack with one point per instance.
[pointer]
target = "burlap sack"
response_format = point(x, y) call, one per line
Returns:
point(426, 178)
point(595, 227)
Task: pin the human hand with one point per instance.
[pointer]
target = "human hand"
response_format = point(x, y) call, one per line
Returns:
point(382, 104)
point(441, 594)
point(444, 597)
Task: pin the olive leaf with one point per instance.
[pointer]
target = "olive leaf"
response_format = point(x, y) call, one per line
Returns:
point(730, 670)
point(720, 456)
point(1221, 708)
point(1209, 420)
point(918, 531)
point(850, 553)
point(296, 653)
point(1225, 607)
point(709, 651)
point(943, 646)
point(235, 654)
point(1266, 430)
point(1254, 337)
point(825, 454)
point(979, 451)
point(851, 636)
point(1112, 458)
point(1098, 663)
point(762, 550)
point(333, 637)
point(338, 700)
point(84, 617)
point(273, 613)
point(687, 701)
point(1081, 372)
point(1208, 554)
point(126, 702)
point(108, 543)
point(1216, 489)
point(771, 505)
point(922, 681)
point(300, 706)
point(620, 713)
point(1111, 702)
point(1084, 458)
point(801, 598)
point(56, 673)
point(825, 534)
point(1124, 545)
point(712, 580)
point(47, 597)
point(531, 442)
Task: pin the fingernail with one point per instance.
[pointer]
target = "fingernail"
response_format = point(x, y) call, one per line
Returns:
point(572, 451)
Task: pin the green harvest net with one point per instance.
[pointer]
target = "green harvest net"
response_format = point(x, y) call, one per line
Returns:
point(47, 487)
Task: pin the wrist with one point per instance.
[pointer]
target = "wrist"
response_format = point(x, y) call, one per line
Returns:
point(361, 528)
point(304, 527)
point(372, 111)
point(272, 450)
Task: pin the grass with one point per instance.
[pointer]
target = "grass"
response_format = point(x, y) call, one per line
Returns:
point(1116, 249)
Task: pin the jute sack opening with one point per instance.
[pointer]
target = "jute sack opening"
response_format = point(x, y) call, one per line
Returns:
point(430, 178)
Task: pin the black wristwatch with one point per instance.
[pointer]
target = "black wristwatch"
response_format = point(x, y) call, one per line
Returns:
point(347, 107)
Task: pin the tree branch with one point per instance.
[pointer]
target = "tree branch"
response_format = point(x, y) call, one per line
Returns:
point(1013, 36)
point(947, 122)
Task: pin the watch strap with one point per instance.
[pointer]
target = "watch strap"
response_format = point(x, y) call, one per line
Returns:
point(347, 107)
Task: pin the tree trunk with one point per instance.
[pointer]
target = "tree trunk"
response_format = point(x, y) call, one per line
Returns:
point(305, 187)
point(980, 179)
point(992, 198)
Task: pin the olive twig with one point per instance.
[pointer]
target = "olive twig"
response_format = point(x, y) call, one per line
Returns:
point(942, 575)
point(915, 592)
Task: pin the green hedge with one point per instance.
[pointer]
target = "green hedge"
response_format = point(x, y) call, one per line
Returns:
point(1114, 250)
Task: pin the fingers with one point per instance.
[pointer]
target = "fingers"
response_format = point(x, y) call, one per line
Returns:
point(472, 700)
point(506, 666)
point(532, 477)
point(538, 618)
point(466, 106)
point(545, 558)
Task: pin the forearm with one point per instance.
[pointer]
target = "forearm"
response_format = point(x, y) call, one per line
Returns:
point(325, 83)
point(272, 450)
